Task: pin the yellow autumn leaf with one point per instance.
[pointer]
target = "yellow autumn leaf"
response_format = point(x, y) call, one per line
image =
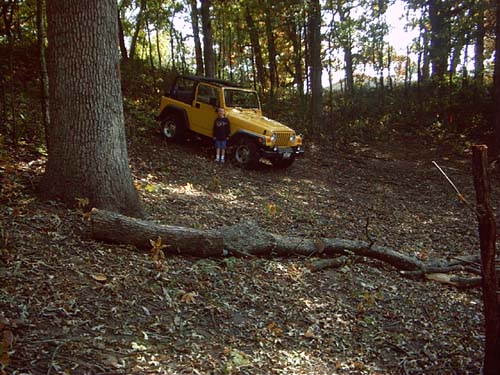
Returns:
point(82, 202)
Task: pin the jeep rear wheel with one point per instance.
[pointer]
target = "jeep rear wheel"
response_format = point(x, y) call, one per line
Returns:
point(172, 128)
point(246, 153)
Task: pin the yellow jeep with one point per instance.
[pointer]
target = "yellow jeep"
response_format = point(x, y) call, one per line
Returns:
point(191, 105)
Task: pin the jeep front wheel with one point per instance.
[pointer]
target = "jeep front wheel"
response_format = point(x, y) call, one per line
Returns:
point(246, 153)
point(172, 129)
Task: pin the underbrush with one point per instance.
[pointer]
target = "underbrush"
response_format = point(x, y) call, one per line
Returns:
point(454, 115)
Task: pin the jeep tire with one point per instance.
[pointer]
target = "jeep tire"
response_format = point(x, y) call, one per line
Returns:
point(246, 153)
point(172, 128)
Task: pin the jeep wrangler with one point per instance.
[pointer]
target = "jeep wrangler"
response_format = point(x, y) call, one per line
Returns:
point(191, 104)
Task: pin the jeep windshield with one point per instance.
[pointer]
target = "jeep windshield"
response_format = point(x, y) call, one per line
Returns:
point(241, 99)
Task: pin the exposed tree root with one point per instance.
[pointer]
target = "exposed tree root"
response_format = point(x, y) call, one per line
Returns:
point(248, 240)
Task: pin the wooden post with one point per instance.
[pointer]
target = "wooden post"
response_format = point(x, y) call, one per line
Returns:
point(487, 238)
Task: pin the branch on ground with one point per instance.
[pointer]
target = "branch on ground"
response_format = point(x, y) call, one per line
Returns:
point(247, 239)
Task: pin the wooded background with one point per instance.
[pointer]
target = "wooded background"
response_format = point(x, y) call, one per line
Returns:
point(441, 88)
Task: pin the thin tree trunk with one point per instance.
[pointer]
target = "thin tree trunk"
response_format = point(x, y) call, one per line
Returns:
point(208, 46)
point(44, 78)
point(479, 49)
point(88, 150)
point(172, 39)
point(297, 59)
point(150, 45)
point(271, 50)
point(121, 38)
point(254, 39)
point(138, 27)
point(487, 234)
point(8, 16)
point(158, 51)
point(195, 21)
point(348, 58)
point(316, 65)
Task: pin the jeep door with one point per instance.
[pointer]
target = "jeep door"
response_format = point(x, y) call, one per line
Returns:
point(204, 111)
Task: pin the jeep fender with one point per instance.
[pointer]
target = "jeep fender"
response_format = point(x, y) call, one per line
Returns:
point(246, 134)
point(172, 109)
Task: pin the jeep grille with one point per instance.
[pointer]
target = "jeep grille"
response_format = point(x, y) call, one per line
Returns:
point(283, 138)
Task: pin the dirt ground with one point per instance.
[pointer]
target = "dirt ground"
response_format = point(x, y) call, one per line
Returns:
point(71, 305)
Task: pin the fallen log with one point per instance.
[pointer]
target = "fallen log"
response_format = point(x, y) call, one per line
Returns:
point(247, 239)
point(112, 227)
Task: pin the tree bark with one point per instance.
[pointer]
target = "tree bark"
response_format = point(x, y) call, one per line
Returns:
point(87, 150)
point(487, 238)
point(208, 46)
point(195, 21)
point(116, 228)
point(44, 77)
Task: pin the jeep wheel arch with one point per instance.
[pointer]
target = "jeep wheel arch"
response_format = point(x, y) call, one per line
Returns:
point(180, 113)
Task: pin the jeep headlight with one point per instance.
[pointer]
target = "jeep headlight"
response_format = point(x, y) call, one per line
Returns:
point(274, 137)
point(293, 137)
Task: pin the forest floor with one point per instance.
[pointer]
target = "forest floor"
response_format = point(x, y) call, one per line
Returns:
point(71, 305)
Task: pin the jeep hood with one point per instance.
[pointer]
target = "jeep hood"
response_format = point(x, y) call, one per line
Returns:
point(255, 119)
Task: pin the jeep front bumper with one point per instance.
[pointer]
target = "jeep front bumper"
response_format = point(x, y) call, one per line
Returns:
point(281, 152)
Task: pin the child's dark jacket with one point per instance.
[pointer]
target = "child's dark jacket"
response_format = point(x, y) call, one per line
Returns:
point(221, 128)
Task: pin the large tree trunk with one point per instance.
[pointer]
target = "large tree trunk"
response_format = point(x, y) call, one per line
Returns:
point(196, 36)
point(208, 45)
point(87, 150)
point(487, 236)
point(44, 77)
point(497, 84)
point(439, 36)
point(316, 65)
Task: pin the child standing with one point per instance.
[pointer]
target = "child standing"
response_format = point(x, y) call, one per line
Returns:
point(221, 133)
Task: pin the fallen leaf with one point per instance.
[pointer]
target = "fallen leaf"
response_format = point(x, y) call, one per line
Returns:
point(100, 277)
point(309, 333)
point(189, 297)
